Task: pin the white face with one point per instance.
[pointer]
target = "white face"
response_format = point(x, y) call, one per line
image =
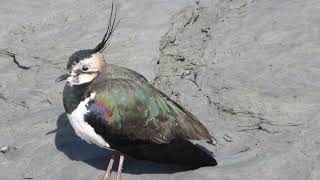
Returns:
point(86, 70)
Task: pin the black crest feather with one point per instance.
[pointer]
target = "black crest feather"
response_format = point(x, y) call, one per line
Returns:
point(112, 24)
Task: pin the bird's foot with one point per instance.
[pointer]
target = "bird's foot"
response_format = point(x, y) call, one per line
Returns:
point(120, 166)
point(110, 165)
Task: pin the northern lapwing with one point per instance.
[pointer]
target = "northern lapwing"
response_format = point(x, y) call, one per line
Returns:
point(115, 107)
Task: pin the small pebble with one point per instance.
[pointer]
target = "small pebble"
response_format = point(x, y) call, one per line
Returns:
point(205, 29)
point(4, 149)
point(181, 58)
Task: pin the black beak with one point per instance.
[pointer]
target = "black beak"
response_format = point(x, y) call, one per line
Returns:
point(63, 77)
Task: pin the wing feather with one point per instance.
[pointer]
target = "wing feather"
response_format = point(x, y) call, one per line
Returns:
point(141, 112)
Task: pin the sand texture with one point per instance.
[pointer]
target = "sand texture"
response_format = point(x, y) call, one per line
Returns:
point(248, 69)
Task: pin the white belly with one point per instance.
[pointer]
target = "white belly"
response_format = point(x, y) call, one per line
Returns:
point(82, 128)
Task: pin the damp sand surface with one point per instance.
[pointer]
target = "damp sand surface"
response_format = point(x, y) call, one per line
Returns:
point(248, 69)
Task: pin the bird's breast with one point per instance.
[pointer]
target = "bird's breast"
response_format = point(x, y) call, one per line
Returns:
point(82, 128)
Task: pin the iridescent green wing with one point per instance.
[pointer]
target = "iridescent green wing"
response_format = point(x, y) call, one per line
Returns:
point(139, 111)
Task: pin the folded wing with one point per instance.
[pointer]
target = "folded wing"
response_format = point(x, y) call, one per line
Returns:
point(138, 111)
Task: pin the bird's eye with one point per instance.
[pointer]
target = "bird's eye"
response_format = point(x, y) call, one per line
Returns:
point(85, 68)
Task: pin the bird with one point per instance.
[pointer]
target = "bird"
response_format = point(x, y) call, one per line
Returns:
point(117, 108)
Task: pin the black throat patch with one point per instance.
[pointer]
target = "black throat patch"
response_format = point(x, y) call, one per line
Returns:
point(73, 95)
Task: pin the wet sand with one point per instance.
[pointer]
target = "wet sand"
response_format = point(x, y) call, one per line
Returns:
point(248, 69)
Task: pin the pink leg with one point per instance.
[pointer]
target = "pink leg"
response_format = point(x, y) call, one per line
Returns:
point(108, 172)
point(120, 166)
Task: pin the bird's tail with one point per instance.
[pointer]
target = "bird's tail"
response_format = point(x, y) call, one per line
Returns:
point(206, 157)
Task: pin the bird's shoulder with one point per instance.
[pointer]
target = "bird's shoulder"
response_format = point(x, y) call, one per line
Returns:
point(114, 71)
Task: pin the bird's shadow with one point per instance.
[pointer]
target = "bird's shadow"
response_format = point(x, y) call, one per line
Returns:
point(76, 149)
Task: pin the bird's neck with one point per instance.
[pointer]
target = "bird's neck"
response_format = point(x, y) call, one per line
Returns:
point(73, 95)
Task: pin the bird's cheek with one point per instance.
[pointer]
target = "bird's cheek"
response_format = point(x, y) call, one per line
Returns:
point(85, 78)
point(73, 80)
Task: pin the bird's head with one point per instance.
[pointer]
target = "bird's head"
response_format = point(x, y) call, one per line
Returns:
point(84, 66)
